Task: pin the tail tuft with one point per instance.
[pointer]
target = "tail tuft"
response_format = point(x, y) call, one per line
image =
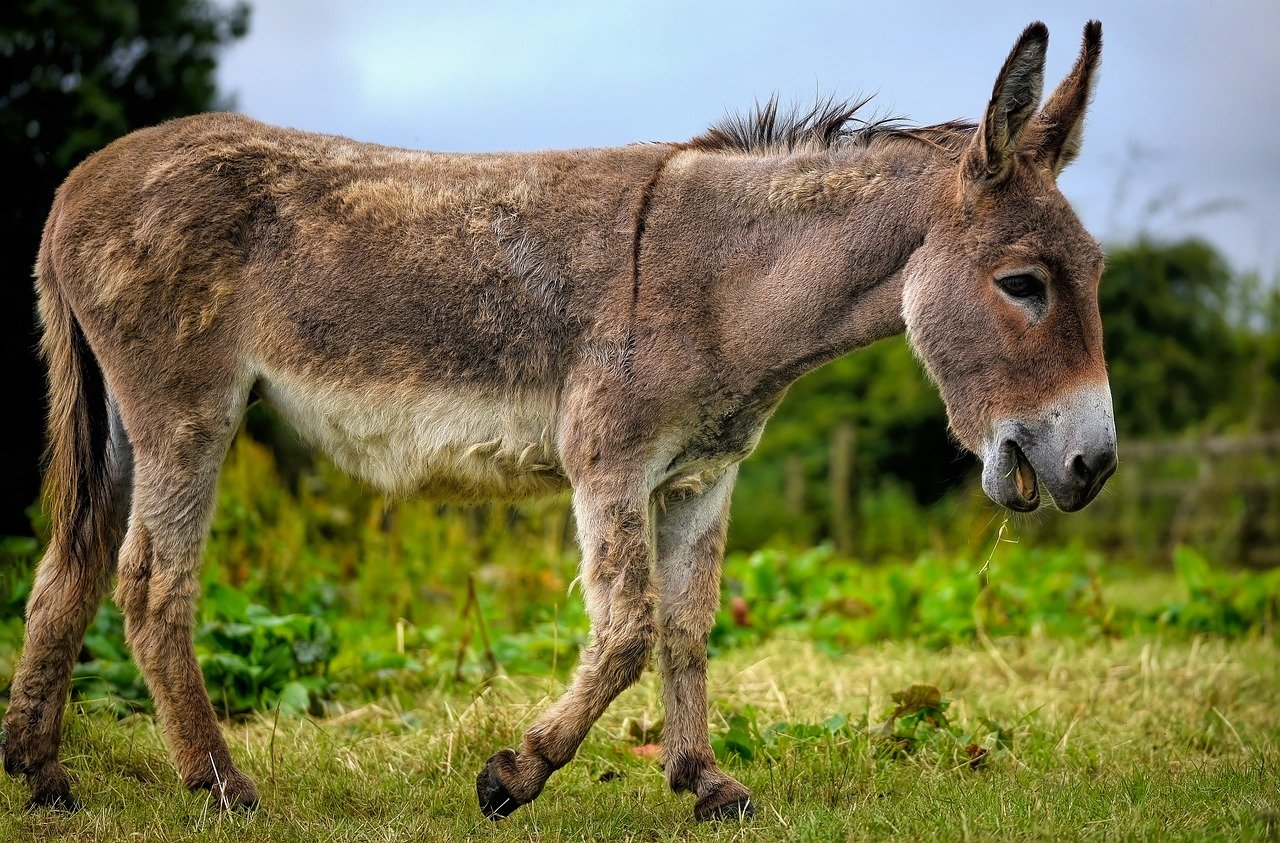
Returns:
point(77, 483)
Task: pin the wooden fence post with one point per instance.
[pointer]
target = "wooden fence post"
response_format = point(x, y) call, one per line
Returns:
point(841, 479)
point(793, 491)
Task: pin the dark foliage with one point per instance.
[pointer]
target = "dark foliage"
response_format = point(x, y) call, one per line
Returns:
point(77, 75)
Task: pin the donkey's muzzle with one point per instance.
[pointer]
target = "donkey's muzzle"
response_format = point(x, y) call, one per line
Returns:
point(1068, 446)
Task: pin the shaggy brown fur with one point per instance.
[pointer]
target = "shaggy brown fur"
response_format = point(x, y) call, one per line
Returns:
point(620, 322)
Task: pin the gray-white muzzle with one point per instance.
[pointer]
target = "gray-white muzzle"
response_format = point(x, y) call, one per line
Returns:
point(1069, 446)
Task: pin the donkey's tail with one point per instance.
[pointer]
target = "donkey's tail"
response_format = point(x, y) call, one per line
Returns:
point(78, 488)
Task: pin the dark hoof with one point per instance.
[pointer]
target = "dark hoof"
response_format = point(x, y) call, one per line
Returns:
point(735, 808)
point(237, 796)
point(61, 802)
point(496, 802)
point(50, 785)
point(236, 793)
point(53, 792)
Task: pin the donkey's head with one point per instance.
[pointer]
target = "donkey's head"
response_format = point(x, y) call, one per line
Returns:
point(1001, 301)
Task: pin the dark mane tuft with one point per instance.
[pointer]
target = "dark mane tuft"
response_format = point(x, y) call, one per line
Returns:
point(830, 122)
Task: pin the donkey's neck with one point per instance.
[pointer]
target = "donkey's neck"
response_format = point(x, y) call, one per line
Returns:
point(786, 263)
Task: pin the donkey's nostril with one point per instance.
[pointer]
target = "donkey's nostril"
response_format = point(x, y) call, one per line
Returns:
point(1094, 470)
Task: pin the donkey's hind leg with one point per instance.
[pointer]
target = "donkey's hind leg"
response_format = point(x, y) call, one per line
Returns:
point(70, 583)
point(691, 536)
point(176, 473)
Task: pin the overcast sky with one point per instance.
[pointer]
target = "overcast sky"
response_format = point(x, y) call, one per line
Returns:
point(1182, 137)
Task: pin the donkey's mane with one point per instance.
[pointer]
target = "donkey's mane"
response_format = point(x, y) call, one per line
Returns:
point(829, 123)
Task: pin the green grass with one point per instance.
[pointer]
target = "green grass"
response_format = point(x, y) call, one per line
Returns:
point(1150, 737)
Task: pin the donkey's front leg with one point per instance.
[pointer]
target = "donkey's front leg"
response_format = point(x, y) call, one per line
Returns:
point(691, 537)
point(613, 528)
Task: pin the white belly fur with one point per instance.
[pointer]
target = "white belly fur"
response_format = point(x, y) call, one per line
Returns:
point(458, 443)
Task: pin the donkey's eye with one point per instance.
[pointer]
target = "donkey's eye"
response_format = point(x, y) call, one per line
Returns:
point(1023, 286)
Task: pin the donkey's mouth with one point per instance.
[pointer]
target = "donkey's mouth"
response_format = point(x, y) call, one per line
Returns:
point(1008, 477)
point(1024, 481)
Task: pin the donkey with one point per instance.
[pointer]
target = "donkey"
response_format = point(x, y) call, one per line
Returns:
point(618, 322)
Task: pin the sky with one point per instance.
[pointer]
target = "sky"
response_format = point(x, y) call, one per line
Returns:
point(1181, 138)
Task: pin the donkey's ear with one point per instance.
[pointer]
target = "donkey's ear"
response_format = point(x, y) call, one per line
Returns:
point(1059, 126)
point(1013, 103)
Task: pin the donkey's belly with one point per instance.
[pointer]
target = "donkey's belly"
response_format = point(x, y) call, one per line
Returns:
point(458, 444)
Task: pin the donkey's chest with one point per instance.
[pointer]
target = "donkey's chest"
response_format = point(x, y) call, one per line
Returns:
point(456, 443)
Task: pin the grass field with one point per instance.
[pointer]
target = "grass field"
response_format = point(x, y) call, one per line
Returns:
point(1142, 738)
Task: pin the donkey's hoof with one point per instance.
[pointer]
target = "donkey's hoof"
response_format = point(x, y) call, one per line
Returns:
point(724, 804)
point(496, 801)
point(52, 789)
point(234, 793)
point(63, 801)
point(237, 794)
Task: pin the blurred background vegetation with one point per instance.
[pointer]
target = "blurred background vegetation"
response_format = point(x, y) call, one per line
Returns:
point(857, 518)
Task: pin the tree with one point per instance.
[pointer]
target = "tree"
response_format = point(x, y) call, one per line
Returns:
point(77, 75)
point(1183, 337)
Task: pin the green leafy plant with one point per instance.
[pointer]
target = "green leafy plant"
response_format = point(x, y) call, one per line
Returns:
point(251, 659)
point(916, 723)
